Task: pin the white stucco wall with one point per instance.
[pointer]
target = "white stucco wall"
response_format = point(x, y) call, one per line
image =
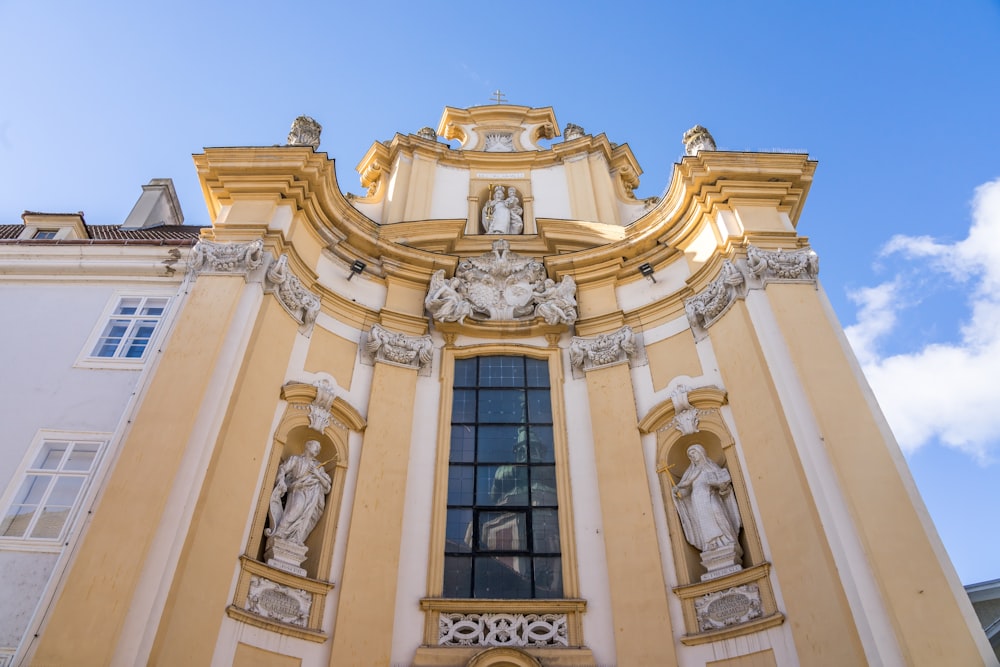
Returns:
point(551, 193)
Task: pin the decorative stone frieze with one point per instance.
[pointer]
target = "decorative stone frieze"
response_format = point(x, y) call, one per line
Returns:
point(272, 600)
point(705, 308)
point(617, 347)
point(305, 132)
point(209, 257)
point(778, 265)
point(539, 630)
point(723, 609)
point(300, 303)
point(399, 349)
point(698, 139)
point(501, 286)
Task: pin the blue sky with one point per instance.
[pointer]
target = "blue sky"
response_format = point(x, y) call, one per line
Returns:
point(897, 101)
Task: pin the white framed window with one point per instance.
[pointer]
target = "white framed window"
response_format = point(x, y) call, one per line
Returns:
point(50, 488)
point(128, 328)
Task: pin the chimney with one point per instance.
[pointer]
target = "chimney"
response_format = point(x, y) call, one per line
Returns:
point(158, 205)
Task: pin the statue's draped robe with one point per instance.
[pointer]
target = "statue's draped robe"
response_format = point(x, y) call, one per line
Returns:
point(710, 519)
point(304, 484)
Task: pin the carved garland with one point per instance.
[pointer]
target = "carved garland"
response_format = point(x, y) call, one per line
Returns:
point(617, 347)
point(209, 257)
point(398, 349)
point(759, 268)
point(300, 303)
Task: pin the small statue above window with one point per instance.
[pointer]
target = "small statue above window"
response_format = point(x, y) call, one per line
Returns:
point(502, 213)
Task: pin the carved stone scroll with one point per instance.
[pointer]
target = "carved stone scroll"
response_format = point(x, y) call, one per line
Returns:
point(399, 349)
point(724, 609)
point(280, 603)
point(621, 346)
point(319, 409)
point(502, 630)
point(686, 417)
point(300, 303)
point(209, 257)
point(501, 286)
point(706, 307)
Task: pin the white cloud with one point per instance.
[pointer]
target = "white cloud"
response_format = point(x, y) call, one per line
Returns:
point(947, 391)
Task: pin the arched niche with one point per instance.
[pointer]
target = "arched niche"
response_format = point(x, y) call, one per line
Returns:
point(710, 431)
point(699, 421)
point(277, 598)
point(483, 192)
point(297, 426)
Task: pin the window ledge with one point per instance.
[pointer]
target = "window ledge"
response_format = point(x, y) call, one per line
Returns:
point(504, 606)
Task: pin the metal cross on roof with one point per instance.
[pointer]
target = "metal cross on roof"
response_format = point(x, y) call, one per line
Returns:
point(498, 97)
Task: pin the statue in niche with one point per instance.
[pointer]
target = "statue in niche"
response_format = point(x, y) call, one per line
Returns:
point(502, 213)
point(303, 483)
point(709, 514)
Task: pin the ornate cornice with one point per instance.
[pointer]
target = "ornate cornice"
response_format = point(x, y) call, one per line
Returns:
point(307, 179)
point(398, 349)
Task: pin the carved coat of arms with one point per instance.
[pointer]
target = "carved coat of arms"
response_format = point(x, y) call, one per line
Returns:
point(501, 286)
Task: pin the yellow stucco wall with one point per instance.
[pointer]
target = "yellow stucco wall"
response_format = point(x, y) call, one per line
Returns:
point(671, 357)
point(816, 606)
point(88, 615)
point(198, 597)
point(332, 354)
point(368, 590)
point(638, 591)
point(251, 656)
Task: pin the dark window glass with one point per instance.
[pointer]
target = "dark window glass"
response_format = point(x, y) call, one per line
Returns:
point(538, 372)
point(502, 533)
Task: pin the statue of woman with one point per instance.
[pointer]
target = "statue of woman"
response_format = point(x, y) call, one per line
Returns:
point(496, 213)
point(706, 504)
point(304, 484)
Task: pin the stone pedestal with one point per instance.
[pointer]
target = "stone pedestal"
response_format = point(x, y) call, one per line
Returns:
point(721, 561)
point(285, 555)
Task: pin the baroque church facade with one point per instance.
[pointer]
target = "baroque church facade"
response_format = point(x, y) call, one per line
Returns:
point(495, 411)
